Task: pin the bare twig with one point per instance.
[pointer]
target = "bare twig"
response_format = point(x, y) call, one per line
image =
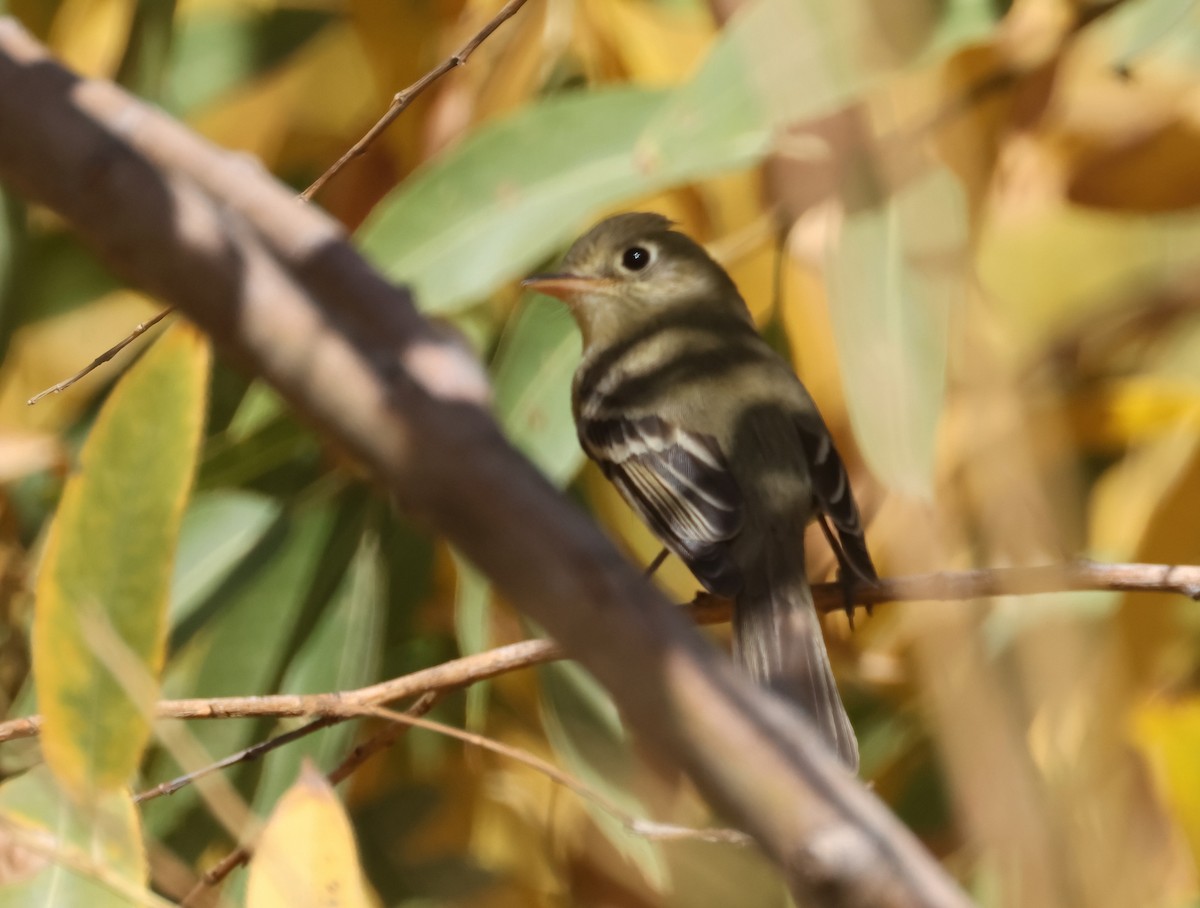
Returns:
point(444, 677)
point(1074, 576)
point(382, 739)
point(646, 828)
point(354, 759)
point(253, 752)
point(241, 855)
point(399, 104)
point(216, 874)
point(404, 98)
point(704, 609)
point(103, 357)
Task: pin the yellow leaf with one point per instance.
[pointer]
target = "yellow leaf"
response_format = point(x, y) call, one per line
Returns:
point(1130, 143)
point(1135, 410)
point(500, 78)
point(286, 117)
point(306, 857)
point(1144, 510)
point(656, 45)
point(1157, 173)
point(1060, 263)
point(394, 45)
point(1169, 735)
point(90, 35)
point(109, 559)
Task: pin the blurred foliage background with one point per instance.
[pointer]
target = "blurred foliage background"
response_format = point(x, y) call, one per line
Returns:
point(973, 227)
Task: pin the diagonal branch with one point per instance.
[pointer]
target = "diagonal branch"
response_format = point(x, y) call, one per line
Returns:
point(276, 285)
point(399, 104)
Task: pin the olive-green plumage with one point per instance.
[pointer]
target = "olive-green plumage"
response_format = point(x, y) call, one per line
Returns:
point(712, 439)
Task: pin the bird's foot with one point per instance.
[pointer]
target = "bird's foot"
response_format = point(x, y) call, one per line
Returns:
point(849, 583)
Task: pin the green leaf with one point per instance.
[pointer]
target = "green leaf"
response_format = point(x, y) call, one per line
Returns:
point(260, 406)
point(586, 732)
point(342, 653)
point(780, 62)
point(219, 529)
point(532, 379)
point(68, 276)
point(218, 50)
point(473, 624)
point(256, 448)
point(491, 208)
point(1162, 29)
point(248, 623)
point(895, 273)
point(103, 863)
point(960, 22)
point(147, 55)
point(108, 562)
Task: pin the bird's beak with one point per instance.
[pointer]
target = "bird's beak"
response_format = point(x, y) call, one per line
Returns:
point(566, 287)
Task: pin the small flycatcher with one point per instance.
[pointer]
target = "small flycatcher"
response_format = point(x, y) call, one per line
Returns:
point(711, 438)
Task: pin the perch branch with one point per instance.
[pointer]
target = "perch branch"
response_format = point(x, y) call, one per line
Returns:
point(1082, 576)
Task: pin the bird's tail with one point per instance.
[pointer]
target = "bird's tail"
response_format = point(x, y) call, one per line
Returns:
point(777, 639)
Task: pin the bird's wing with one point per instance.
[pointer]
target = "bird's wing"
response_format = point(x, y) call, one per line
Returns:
point(831, 488)
point(680, 485)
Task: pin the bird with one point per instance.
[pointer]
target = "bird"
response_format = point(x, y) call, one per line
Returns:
point(712, 440)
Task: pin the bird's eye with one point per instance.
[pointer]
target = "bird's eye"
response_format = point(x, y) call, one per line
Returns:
point(635, 258)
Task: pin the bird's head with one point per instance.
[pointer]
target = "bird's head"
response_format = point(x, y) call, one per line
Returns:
point(632, 269)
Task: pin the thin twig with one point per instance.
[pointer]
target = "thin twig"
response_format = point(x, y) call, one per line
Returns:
point(241, 855)
point(102, 358)
point(382, 739)
point(399, 104)
point(1080, 576)
point(254, 752)
point(216, 874)
point(646, 828)
point(410, 94)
